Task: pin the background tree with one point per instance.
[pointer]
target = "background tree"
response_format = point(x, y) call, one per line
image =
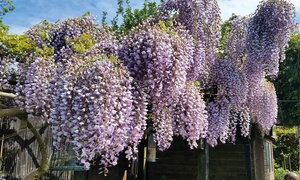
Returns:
point(131, 17)
point(287, 85)
point(225, 31)
point(286, 148)
point(5, 7)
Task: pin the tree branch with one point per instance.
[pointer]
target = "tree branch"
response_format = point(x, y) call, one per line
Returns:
point(8, 95)
point(44, 167)
point(11, 112)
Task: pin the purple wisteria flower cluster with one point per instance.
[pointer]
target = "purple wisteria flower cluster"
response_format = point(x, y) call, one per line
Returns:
point(203, 21)
point(190, 116)
point(268, 32)
point(158, 57)
point(264, 108)
point(255, 47)
point(3, 72)
point(229, 102)
point(61, 36)
point(37, 88)
point(88, 97)
point(94, 111)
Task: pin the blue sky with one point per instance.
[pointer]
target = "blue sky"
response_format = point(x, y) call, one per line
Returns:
point(31, 12)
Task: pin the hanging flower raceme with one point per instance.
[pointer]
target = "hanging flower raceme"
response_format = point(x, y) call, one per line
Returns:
point(268, 34)
point(4, 65)
point(231, 87)
point(267, 37)
point(37, 92)
point(218, 118)
point(190, 116)
point(202, 20)
point(95, 113)
point(264, 107)
point(64, 79)
point(236, 48)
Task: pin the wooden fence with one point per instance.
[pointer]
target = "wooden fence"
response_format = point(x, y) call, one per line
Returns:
point(21, 153)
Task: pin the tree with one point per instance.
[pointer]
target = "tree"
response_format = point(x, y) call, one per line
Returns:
point(131, 17)
point(287, 85)
point(286, 148)
point(101, 95)
point(225, 31)
point(5, 7)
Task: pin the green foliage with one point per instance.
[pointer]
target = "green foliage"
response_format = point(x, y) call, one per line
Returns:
point(131, 17)
point(287, 85)
point(81, 44)
point(18, 47)
point(286, 145)
point(280, 173)
point(6, 6)
point(14, 46)
point(225, 30)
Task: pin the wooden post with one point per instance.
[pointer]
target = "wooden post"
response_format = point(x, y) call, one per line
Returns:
point(298, 134)
point(1, 151)
point(202, 161)
point(248, 161)
point(284, 163)
point(2, 144)
point(151, 155)
point(290, 162)
point(125, 175)
point(207, 161)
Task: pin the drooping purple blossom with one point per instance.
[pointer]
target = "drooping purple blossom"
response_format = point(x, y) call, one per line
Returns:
point(4, 66)
point(95, 112)
point(190, 116)
point(202, 20)
point(37, 88)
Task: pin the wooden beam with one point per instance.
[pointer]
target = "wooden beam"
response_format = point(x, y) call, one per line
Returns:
point(8, 95)
point(11, 112)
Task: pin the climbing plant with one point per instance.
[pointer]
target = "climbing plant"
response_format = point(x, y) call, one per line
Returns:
point(101, 93)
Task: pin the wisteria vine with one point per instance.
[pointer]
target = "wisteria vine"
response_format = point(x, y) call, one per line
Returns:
point(100, 95)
